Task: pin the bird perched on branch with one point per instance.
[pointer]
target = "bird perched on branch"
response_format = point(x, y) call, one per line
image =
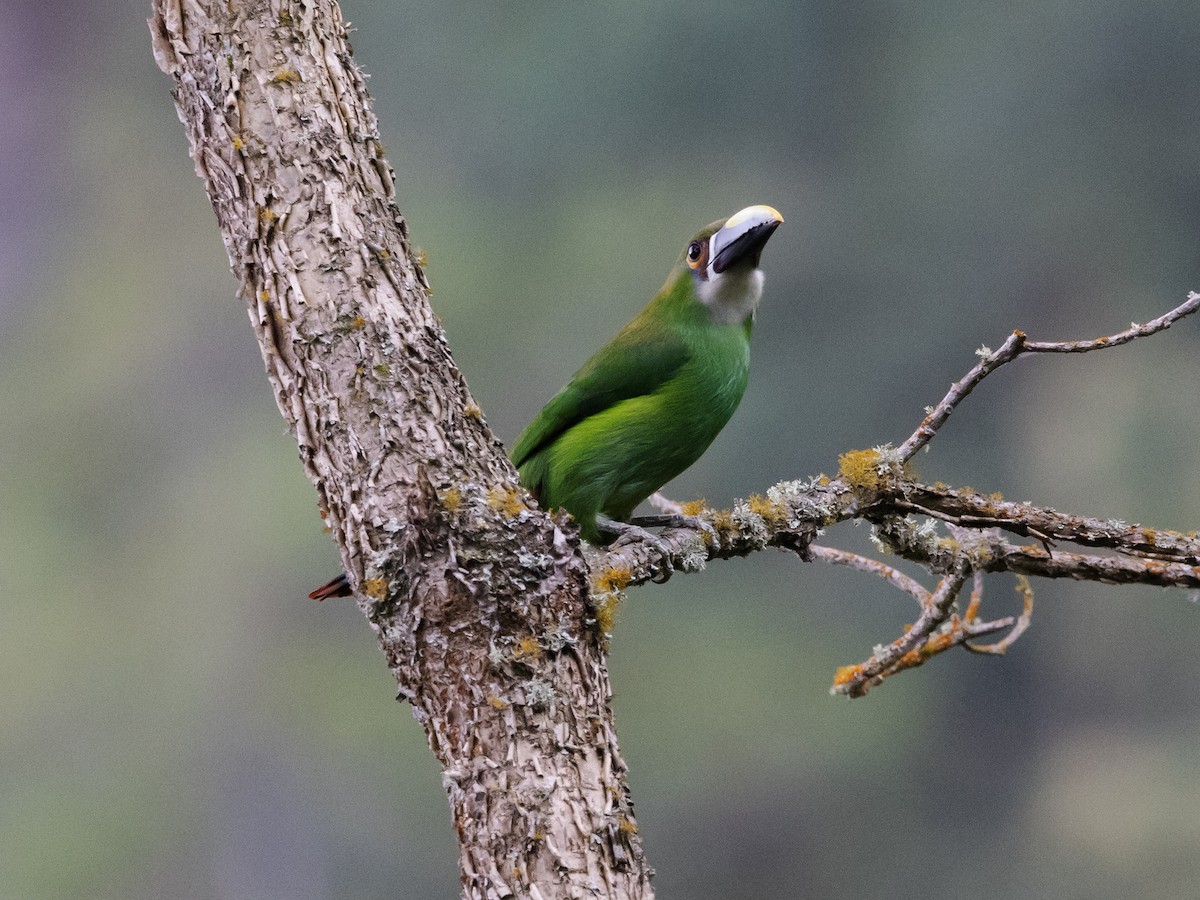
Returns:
point(648, 403)
point(651, 400)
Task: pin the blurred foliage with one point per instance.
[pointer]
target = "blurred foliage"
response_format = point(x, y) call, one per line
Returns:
point(179, 721)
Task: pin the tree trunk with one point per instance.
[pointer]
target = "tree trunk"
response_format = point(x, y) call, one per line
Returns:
point(481, 603)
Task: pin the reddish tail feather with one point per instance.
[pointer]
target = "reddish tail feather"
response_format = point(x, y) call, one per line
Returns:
point(339, 587)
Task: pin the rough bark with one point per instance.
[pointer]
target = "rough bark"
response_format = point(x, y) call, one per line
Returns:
point(480, 603)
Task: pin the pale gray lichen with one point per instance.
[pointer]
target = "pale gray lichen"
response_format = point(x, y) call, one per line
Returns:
point(750, 525)
point(538, 693)
point(535, 561)
point(556, 638)
point(805, 500)
point(890, 462)
point(925, 532)
point(694, 556)
point(495, 656)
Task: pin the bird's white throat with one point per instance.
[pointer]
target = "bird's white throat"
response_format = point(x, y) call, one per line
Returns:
point(732, 295)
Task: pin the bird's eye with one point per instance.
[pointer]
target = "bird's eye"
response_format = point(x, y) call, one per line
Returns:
point(694, 251)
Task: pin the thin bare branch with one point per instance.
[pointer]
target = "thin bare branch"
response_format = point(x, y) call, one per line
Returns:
point(890, 574)
point(1021, 625)
point(1162, 323)
point(1018, 344)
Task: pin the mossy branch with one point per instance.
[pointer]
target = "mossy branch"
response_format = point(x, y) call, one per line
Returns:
point(955, 533)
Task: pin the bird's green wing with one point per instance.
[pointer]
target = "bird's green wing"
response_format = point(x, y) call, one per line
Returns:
point(642, 357)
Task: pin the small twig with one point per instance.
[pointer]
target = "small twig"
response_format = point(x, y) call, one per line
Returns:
point(938, 629)
point(856, 680)
point(976, 600)
point(665, 504)
point(1030, 560)
point(1162, 323)
point(1021, 625)
point(1013, 347)
point(891, 575)
point(954, 631)
point(959, 634)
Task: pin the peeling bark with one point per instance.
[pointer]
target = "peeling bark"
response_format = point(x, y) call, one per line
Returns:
point(481, 603)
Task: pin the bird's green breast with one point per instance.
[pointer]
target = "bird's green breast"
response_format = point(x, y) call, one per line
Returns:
point(659, 435)
point(665, 417)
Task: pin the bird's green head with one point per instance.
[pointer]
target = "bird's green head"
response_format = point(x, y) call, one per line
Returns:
point(723, 262)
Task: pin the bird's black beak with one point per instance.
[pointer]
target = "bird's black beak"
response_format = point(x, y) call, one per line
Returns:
point(742, 238)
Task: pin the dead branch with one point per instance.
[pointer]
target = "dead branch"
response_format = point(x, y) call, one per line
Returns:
point(953, 533)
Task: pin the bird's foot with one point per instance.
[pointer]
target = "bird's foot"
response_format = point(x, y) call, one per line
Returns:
point(677, 520)
point(630, 533)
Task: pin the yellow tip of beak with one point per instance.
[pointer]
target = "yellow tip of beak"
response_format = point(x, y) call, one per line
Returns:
point(760, 213)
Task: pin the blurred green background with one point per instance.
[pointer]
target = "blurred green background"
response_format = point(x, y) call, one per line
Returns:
point(177, 720)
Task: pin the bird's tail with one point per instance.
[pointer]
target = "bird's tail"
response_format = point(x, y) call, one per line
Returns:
point(339, 587)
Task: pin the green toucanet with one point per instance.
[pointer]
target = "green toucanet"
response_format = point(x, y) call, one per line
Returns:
point(648, 403)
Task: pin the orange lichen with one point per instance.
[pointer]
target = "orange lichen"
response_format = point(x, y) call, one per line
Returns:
point(846, 674)
point(286, 76)
point(723, 522)
point(606, 590)
point(451, 498)
point(693, 507)
point(774, 514)
point(613, 579)
point(496, 703)
point(506, 499)
point(606, 612)
point(375, 588)
point(527, 648)
point(625, 826)
point(861, 469)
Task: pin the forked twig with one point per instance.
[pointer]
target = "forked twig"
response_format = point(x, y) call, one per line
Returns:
point(1018, 344)
point(1025, 589)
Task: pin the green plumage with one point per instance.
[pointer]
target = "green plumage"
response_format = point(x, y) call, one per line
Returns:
point(647, 404)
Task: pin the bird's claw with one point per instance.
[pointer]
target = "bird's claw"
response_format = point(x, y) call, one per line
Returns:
point(677, 520)
point(629, 533)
